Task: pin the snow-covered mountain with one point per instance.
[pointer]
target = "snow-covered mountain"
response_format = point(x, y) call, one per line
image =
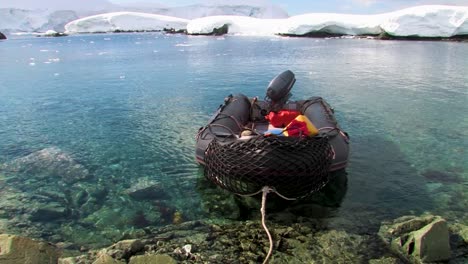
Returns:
point(20, 20)
point(40, 20)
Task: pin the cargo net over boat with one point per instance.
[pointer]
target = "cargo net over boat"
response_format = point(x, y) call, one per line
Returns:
point(294, 166)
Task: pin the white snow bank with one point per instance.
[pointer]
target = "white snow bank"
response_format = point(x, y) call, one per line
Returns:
point(332, 23)
point(427, 21)
point(422, 21)
point(125, 21)
point(237, 25)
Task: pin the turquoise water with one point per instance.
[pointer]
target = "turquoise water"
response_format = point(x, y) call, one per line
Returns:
point(127, 107)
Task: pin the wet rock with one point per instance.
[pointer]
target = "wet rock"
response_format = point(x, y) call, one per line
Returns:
point(20, 250)
point(2, 36)
point(154, 259)
point(339, 247)
point(106, 259)
point(49, 163)
point(387, 260)
point(459, 242)
point(147, 189)
point(69, 260)
point(48, 212)
point(124, 249)
point(418, 239)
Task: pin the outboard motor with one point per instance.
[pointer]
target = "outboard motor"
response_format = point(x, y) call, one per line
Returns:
point(278, 91)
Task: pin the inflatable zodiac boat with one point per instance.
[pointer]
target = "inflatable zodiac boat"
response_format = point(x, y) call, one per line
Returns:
point(291, 146)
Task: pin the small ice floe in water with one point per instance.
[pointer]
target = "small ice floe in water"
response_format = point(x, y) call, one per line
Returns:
point(441, 176)
point(107, 39)
point(122, 77)
point(155, 51)
point(44, 50)
point(183, 45)
point(54, 60)
point(91, 42)
point(32, 64)
point(137, 43)
point(56, 74)
point(102, 53)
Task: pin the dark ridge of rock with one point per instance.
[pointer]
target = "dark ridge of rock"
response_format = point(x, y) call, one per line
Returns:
point(316, 34)
point(56, 34)
point(216, 31)
point(174, 31)
point(386, 36)
point(382, 36)
point(2, 36)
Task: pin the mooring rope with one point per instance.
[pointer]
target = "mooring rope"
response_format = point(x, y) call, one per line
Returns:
point(265, 190)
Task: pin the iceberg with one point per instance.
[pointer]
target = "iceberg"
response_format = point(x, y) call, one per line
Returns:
point(125, 21)
point(422, 21)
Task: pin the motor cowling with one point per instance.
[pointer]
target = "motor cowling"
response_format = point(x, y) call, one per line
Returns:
point(279, 90)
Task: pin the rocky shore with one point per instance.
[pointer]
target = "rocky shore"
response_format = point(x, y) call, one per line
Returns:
point(2, 36)
point(409, 239)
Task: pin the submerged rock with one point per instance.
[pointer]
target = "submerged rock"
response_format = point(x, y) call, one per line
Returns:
point(418, 239)
point(20, 250)
point(441, 176)
point(49, 212)
point(49, 163)
point(147, 189)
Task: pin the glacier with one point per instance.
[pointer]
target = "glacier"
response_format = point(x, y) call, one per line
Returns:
point(420, 21)
point(125, 21)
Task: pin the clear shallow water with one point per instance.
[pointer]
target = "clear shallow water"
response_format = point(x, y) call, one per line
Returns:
point(127, 107)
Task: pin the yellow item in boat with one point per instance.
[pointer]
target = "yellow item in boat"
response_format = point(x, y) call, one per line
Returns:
point(300, 126)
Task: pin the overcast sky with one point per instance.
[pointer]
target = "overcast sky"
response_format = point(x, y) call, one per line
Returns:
point(293, 7)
